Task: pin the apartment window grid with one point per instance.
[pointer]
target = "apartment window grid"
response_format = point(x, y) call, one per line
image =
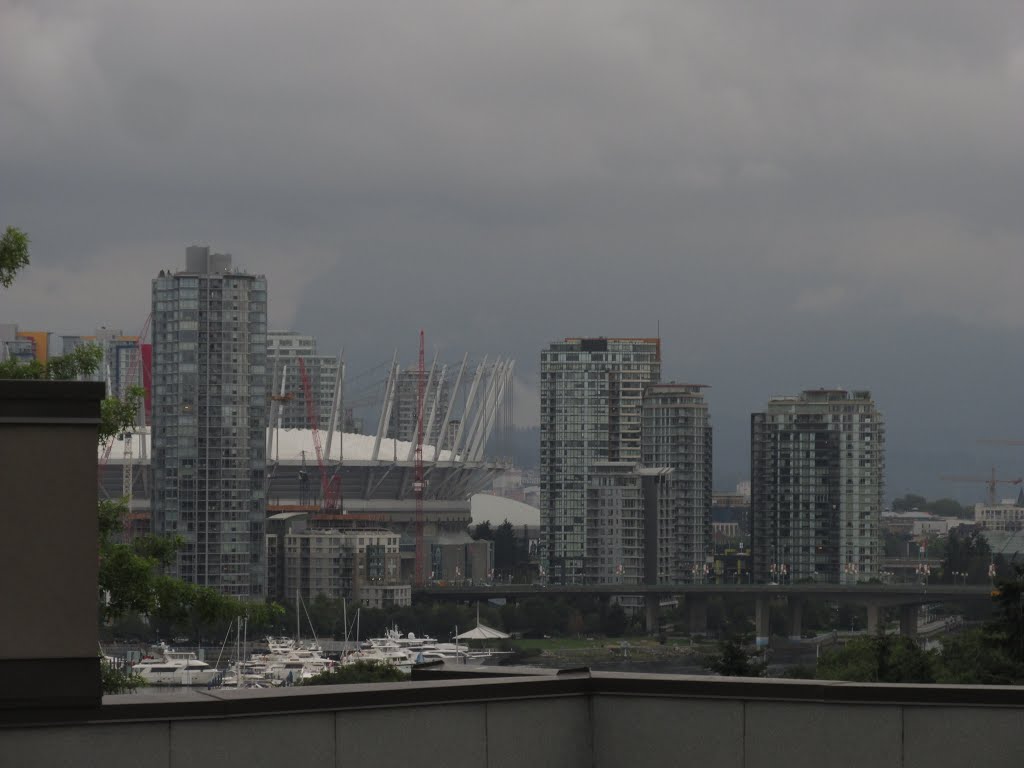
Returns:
point(209, 420)
point(817, 484)
point(677, 434)
point(591, 390)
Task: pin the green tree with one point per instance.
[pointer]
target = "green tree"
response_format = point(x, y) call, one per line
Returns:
point(14, 255)
point(967, 551)
point(1008, 626)
point(732, 660)
point(878, 659)
point(359, 672)
point(977, 657)
point(950, 508)
point(908, 502)
point(505, 547)
point(482, 531)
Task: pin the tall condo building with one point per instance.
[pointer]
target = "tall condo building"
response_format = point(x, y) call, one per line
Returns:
point(676, 434)
point(591, 398)
point(209, 420)
point(817, 477)
point(284, 348)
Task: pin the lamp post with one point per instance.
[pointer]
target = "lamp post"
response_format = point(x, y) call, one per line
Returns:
point(924, 571)
point(850, 569)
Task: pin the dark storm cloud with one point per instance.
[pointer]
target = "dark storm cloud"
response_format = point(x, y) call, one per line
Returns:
point(801, 193)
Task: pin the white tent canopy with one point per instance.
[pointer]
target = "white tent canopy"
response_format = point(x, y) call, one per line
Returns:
point(482, 632)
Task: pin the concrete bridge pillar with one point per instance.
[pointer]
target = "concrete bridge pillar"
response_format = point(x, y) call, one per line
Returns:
point(697, 615)
point(908, 620)
point(796, 617)
point(762, 614)
point(874, 619)
point(651, 607)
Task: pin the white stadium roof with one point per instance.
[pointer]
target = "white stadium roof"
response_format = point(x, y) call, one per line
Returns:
point(290, 443)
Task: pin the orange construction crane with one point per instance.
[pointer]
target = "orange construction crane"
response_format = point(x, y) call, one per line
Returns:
point(991, 482)
point(330, 486)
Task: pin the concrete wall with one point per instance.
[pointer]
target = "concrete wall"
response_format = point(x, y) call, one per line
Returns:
point(48, 547)
point(585, 719)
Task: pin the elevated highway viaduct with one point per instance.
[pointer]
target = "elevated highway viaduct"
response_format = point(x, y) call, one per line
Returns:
point(875, 597)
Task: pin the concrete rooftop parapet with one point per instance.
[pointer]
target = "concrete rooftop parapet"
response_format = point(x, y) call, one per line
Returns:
point(582, 719)
point(49, 547)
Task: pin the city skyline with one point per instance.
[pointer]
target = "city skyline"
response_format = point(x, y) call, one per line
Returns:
point(851, 223)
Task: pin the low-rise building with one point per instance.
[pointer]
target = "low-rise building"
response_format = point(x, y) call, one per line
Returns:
point(362, 564)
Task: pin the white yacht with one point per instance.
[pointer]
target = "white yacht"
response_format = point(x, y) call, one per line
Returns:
point(175, 668)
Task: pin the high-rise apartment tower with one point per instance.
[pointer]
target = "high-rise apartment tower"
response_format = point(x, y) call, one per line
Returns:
point(591, 397)
point(209, 420)
point(284, 348)
point(817, 478)
point(676, 434)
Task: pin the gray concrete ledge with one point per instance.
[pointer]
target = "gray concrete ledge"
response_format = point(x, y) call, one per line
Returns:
point(219, 704)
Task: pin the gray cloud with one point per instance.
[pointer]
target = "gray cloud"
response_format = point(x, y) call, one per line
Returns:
point(801, 193)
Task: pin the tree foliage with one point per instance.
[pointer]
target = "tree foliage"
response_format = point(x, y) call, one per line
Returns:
point(482, 531)
point(117, 680)
point(966, 551)
point(79, 362)
point(732, 660)
point(1008, 626)
point(14, 255)
point(945, 507)
point(359, 672)
point(505, 547)
point(878, 659)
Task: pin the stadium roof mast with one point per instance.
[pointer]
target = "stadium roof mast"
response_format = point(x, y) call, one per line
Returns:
point(448, 412)
point(385, 411)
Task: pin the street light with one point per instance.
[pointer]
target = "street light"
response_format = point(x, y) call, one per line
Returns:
point(850, 569)
point(924, 571)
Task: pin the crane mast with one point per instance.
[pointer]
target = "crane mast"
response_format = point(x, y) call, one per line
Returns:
point(418, 484)
point(330, 486)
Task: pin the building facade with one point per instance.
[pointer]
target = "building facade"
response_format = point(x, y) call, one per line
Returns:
point(676, 433)
point(209, 421)
point(628, 508)
point(817, 480)
point(284, 348)
point(591, 398)
point(362, 565)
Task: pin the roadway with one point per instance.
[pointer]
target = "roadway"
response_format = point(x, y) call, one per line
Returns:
point(877, 594)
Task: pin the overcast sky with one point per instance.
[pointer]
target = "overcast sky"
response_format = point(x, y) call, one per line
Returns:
point(802, 194)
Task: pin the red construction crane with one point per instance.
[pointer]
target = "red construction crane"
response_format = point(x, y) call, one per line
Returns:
point(330, 486)
point(418, 484)
point(991, 482)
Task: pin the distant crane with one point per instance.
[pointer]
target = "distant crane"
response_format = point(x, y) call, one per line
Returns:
point(418, 484)
point(991, 482)
point(330, 486)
